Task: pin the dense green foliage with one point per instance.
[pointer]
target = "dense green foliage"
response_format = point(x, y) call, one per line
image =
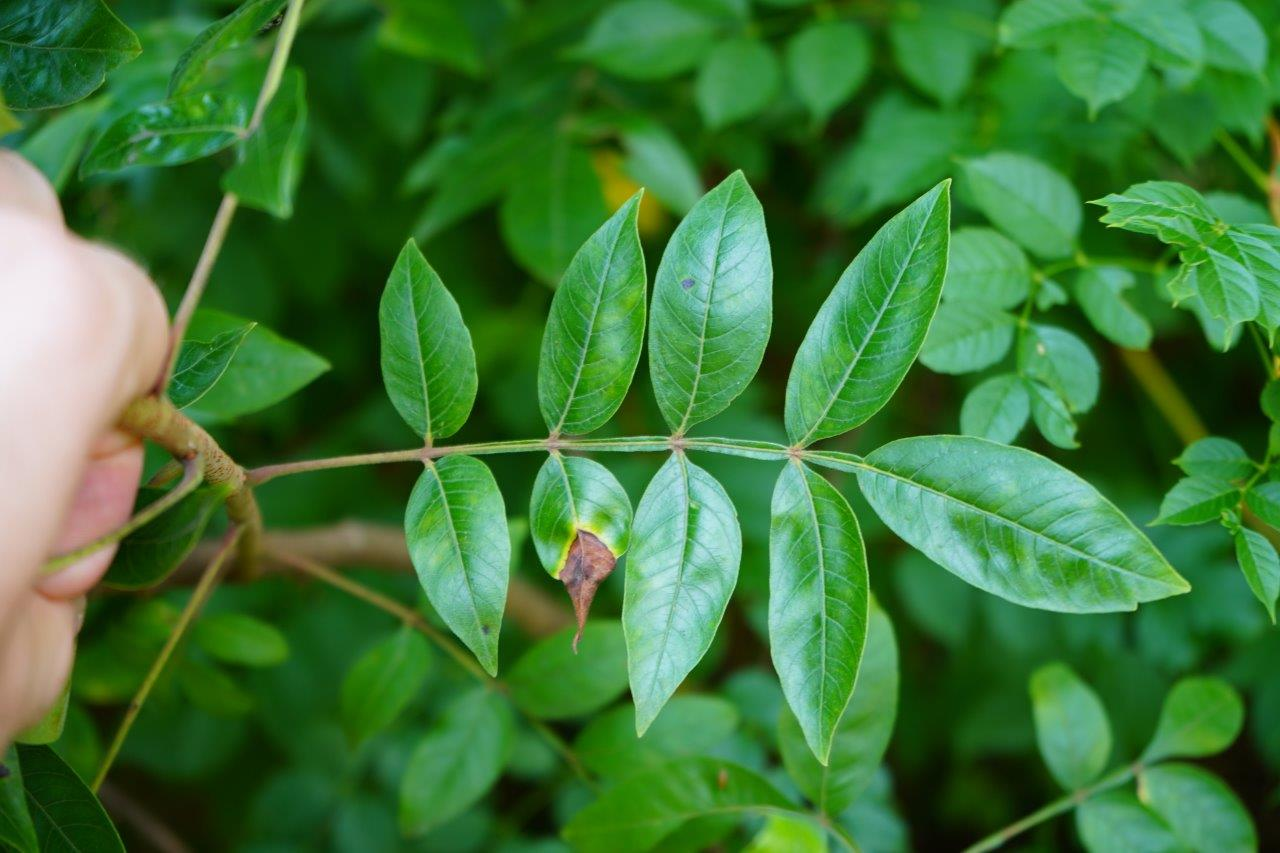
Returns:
point(857, 602)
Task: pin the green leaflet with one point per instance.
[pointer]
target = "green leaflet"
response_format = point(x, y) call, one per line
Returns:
point(456, 527)
point(595, 328)
point(1051, 415)
point(16, 829)
point(56, 147)
point(1233, 39)
point(636, 814)
point(457, 762)
point(1062, 362)
point(151, 553)
point(712, 306)
point(1038, 23)
point(689, 725)
point(965, 503)
point(1031, 202)
point(574, 493)
point(223, 35)
point(1200, 717)
point(1072, 728)
point(265, 369)
point(237, 638)
point(548, 214)
point(1118, 822)
point(1264, 499)
point(737, 81)
point(647, 39)
point(54, 54)
point(1101, 62)
point(432, 29)
point(64, 812)
point(862, 735)
point(1099, 293)
point(1173, 212)
point(966, 337)
point(937, 44)
point(382, 683)
point(996, 409)
point(657, 161)
point(1216, 458)
point(1199, 808)
point(552, 681)
point(428, 364)
point(201, 364)
point(818, 594)
point(827, 62)
point(986, 266)
point(1261, 567)
point(680, 576)
point(271, 159)
point(1195, 500)
point(168, 133)
point(872, 326)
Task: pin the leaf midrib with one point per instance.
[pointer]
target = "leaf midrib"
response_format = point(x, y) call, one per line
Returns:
point(706, 317)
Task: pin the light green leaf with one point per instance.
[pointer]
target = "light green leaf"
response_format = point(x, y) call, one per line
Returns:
point(1101, 62)
point(1040, 23)
point(237, 638)
point(151, 553)
point(264, 370)
point(689, 725)
point(213, 690)
point(658, 162)
point(456, 528)
point(549, 213)
point(1264, 499)
point(1199, 808)
point(986, 266)
point(1173, 212)
point(648, 39)
point(202, 363)
point(636, 814)
point(1061, 361)
point(382, 683)
point(573, 493)
point(54, 54)
point(595, 328)
point(1195, 500)
point(1099, 291)
point(818, 593)
point(1116, 822)
point(553, 681)
point(168, 133)
point(793, 834)
point(457, 762)
point(827, 61)
point(862, 735)
point(1216, 458)
point(270, 166)
point(65, 813)
point(937, 44)
point(1072, 729)
point(965, 503)
point(680, 576)
point(1200, 717)
point(1223, 278)
point(996, 409)
point(712, 306)
point(967, 337)
point(225, 34)
point(1051, 415)
point(56, 147)
point(871, 327)
point(1233, 38)
point(1261, 566)
point(1168, 28)
point(428, 364)
point(736, 81)
point(16, 828)
point(1031, 202)
point(431, 29)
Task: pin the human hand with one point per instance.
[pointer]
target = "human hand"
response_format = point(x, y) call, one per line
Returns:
point(82, 333)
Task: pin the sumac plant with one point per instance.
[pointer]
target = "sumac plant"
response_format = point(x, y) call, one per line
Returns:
point(712, 537)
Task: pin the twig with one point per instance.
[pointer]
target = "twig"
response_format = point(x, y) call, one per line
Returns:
point(1273, 179)
point(1165, 394)
point(150, 827)
point(198, 597)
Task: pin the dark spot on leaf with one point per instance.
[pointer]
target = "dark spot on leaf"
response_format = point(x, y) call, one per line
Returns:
point(5, 772)
point(484, 629)
point(589, 562)
point(687, 283)
point(722, 779)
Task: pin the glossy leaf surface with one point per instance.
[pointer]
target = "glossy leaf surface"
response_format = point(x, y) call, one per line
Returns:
point(168, 133)
point(270, 166)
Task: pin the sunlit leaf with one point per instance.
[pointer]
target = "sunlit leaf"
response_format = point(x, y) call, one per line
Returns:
point(168, 133)
point(1072, 728)
point(1200, 716)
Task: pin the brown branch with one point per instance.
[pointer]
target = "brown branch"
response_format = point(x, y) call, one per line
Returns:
point(153, 830)
point(382, 546)
point(1273, 177)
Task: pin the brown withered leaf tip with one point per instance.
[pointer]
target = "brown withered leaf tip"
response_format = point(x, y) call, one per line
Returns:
point(589, 562)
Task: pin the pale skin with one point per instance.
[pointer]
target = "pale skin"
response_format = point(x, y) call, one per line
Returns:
point(83, 332)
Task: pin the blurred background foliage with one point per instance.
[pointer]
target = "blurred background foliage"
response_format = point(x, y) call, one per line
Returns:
point(500, 133)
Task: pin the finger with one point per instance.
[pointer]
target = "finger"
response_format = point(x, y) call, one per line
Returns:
point(23, 187)
point(103, 503)
point(36, 649)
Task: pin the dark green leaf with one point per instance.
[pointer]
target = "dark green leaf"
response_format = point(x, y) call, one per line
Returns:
point(456, 527)
point(648, 39)
point(240, 639)
point(554, 681)
point(1200, 717)
point(16, 829)
point(1072, 728)
point(382, 683)
point(58, 145)
point(826, 63)
point(270, 166)
point(1261, 567)
point(223, 35)
point(66, 815)
point(965, 503)
point(689, 725)
point(202, 363)
point(168, 133)
point(432, 29)
point(151, 553)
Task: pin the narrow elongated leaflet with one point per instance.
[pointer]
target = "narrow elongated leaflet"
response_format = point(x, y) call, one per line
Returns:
point(1015, 524)
point(456, 529)
point(168, 133)
point(873, 324)
point(382, 682)
point(595, 328)
point(818, 594)
point(219, 37)
point(65, 813)
point(428, 364)
point(1261, 567)
point(679, 579)
point(1072, 728)
point(712, 305)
